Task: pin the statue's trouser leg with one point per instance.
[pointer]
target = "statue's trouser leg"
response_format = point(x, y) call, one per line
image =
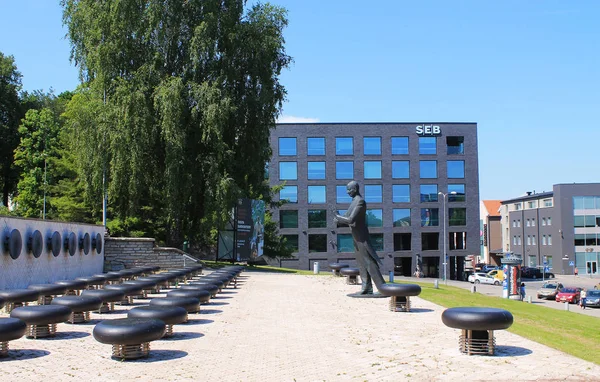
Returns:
point(365, 278)
point(375, 272)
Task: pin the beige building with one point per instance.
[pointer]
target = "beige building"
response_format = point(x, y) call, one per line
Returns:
point(491, 235)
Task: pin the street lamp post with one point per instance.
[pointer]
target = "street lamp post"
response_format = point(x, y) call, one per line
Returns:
point(444, 252)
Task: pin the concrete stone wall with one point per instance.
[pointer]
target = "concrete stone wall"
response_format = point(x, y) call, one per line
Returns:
point(129, 252)
point(26, 269)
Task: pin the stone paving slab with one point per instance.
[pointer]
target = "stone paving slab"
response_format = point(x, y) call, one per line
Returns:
point(278, 327)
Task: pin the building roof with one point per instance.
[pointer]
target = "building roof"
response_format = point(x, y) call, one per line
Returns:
point(531, 196)
point(492, 207)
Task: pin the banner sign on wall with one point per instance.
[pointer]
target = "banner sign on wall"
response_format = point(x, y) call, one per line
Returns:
point(249, 227)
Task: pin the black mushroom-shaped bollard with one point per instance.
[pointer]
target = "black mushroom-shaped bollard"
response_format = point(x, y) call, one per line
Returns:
point(200, 294)
point(211, 288)
point(351, 275)
point(400, 295)
point(47, 292)
point(74, 287)
point(107, 296)
point(128, 290)
point(41, 320)
point(170, 315)
point(10, 329)
point(477, 325)
point(80, 306)
point(336, 267)
point(14, 298)
point(130, 337)
point(190, 304)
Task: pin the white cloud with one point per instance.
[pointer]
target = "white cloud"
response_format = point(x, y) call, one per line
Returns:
point(291, 119)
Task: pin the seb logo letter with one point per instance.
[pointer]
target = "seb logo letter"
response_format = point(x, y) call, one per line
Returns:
point(428, 130)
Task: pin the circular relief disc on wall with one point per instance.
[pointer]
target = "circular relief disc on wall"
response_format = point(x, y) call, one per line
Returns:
point(71, 243)
point(86, 243)
point(98, 243)
point(54, 243)
point(36, 243)
point(14, 243)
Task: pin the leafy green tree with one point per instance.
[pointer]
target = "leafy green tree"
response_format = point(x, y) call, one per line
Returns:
point(180, 98)
point(10, 114)
point(275, 245)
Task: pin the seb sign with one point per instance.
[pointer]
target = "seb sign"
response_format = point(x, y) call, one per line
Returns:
point(428, 130)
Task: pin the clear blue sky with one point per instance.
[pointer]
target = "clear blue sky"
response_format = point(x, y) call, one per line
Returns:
point(528, 72)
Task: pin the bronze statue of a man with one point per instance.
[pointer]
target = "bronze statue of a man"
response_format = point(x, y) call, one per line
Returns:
point(366, 257)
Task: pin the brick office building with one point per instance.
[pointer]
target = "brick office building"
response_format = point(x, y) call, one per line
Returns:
point(420, 182)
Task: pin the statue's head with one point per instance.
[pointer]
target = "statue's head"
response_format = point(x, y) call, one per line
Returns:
point(352, 189)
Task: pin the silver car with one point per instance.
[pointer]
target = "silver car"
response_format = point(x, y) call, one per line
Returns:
point(549, 290)
point(482, 278)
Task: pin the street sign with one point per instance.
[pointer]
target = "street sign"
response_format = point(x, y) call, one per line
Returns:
point(571, 263)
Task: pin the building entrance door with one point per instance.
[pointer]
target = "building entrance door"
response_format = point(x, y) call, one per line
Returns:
point(592, 267)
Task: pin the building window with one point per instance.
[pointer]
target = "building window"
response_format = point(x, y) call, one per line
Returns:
point(457, 240)
point(373, 193)
point(544, 242)
point(429, 193)
point(317, 218)
point(533, 240)
point(317, 243)
point(402, 241)
point(590, 239)
point(317, 194)
point(341, 195)
point(457, 216)
point(400, 169)
point(549, 221)
point(288, 219)
point(519, 240)
point(528, 239)
point(514, 223)
point(316, 170)
point(344, 146)
point(514, 240)
point(399, 145)
point(376, 240)
point(430, 217)
point(455, 145)
point(427, 146)
point(517, 206)
point(543, 221)
point(456, 169)
point(428, 169)
point(519, 223)
point(401, 217)
point(549, 239)
point(289, 193)
point(401, 193)
point(579, 239)
point(288, 171)
point(291, 241)
point(372, 145)
point(430, 241)
point(533, 222)
point(315, 146)
point(456, 193)
point(531, 204)
point(547, 202)
point(344, 170)
point(527, 223)
point(287, 146)
point(372, 169)
point(374, 218)
point(345, 243)
point(581, 202)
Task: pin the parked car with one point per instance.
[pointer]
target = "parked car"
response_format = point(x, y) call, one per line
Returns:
point(569, 294)
point(592, 299)
point(478, 266)
point(549, 290)
point(535, 273)
point(482, 278)
point(497, 274)
point(487, 268)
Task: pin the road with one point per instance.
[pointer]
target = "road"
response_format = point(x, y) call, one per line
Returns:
point(531, 287)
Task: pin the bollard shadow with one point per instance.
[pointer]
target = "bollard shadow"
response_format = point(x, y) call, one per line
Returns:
point(93, 321)
point(228, 291)
point(198, 322)
point(420, 310)
point(210, 311)
point(156, 356)
point(22, 354)
point(60, 336)
point(179, 336)
point(217, 303)
point(221, 297)
point(511, 351)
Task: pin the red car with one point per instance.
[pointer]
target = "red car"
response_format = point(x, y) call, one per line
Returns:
point(569, 294)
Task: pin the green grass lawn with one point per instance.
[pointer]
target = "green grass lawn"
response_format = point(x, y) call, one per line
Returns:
point(570, 332)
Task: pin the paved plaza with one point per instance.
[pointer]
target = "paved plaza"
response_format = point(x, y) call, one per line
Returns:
point(282, 327)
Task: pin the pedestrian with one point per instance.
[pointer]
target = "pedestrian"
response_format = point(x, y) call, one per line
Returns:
point(522, 291)
point(576, 272)
point(583, 296)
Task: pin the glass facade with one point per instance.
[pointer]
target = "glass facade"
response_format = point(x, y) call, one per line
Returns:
point(399, 145)
point(586, 202)
point(427, 145)
point(456, 169)
point(317, 194)
point(430, 217)
point(372, 169)
point(400, 169)
point(288, 171)
point(455, 145)
point(457, 216)
point(372, 145)
point(374, 218)
point(456, 193)
point(291, 241)
point(315, 146)
point(344, 170)
point(428, 169)
point(289, 193)
point(344, 146)
point(316, 170)
point(373, 193)
point(287, 146)
point(401, 193)
point(376, 240)
point(345, 243)
point(317, 243)
point(402, 241)
point(429, 193)
point(317, 218)
point(288, 219)
point(341, 195)
point(401, 217)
